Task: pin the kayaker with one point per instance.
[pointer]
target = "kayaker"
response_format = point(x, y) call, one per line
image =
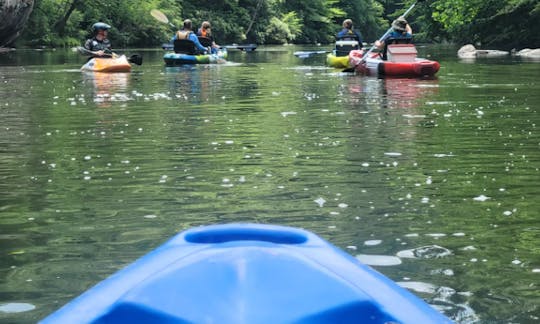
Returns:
point(187, 33)
point(348, 32)
point(206, 31)
point(401, 33)
point(400, 30)
point(99, 45)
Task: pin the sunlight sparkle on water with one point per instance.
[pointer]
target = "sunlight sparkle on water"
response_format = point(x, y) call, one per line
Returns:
point(372, 242)
point(378, 260)
point(425, 252)
point(287, 113)
point(320, 201)
point(481, 198)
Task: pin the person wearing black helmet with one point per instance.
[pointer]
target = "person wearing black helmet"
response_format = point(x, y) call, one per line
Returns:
point(99, 45)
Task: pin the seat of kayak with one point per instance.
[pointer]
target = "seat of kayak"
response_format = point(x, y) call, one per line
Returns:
point(205, 41)
point(343, 47)
point(184, 46)
point(392, 41)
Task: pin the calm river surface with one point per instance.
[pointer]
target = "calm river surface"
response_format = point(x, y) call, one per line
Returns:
point(435, 183)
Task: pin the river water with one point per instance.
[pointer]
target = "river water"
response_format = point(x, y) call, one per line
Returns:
point(434, 183)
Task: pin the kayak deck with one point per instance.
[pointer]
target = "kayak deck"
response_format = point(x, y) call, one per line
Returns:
point(175, 59)
point(374, 65)
point(337, 61)
point(107, 64)
point(247, 273)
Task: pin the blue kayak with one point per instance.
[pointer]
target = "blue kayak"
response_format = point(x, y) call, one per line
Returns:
point(247, 273)
point(175, 59)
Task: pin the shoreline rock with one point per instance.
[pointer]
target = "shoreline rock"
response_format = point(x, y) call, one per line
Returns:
point(527, 52)
point(469, 51)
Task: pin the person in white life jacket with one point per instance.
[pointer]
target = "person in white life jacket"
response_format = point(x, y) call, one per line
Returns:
point(99, 45)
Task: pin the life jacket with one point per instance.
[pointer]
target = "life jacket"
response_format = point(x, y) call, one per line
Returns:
point(203, 32)
point(183, 34)
point(94, 44)
point(348, 34)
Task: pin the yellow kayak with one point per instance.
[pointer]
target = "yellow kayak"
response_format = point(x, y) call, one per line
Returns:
point(337, 61)
point(107, 64)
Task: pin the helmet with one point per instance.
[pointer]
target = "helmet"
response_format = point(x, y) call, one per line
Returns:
point(100, 26)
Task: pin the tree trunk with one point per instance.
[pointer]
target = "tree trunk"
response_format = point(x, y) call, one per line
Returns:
point(13, 17)
point(60, 25)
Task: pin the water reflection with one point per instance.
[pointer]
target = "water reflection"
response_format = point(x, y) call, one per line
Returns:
point(107, 87)
point(376, 166)
point(184, 82)
point(405, 93)
point(195, 84)
point(391, 93)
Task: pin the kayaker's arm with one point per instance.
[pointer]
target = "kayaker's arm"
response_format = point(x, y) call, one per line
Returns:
point(195, 39)
point(100, 53)
point(93, 48)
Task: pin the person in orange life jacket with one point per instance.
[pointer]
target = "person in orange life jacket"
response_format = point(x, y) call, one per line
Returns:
point(99, 45)
point(205, 31)
point(187, 33)
point(348, 33)
point(400, 30)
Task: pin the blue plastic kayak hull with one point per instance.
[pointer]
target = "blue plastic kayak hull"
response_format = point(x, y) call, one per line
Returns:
point(174, 59)
point(247, 273)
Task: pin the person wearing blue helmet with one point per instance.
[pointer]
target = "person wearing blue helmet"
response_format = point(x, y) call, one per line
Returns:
point(99, 45)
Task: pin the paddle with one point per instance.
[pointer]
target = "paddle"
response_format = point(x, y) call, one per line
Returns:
point(305, 54)
point(382, 38)
point(160, 16)
point(245, 47)
point(135, 58)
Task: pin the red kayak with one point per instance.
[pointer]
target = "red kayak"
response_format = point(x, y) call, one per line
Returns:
point(401, 62)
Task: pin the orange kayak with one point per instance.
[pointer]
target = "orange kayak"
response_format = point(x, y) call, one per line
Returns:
point(107, 64)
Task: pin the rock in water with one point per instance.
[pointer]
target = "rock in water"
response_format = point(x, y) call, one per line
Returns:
point(527, 52)
point(13, 17)
point(469, 51)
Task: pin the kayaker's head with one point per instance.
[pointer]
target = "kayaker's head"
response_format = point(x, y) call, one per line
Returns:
point(100, 30)
point(347, 24)
point(400, 25)
point(188, 25)
point(205, 29)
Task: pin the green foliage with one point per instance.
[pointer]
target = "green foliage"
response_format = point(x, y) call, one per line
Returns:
point(366, 16)
point(504, 23)
point(284, 30)
point(454, 14)
point(500, 23)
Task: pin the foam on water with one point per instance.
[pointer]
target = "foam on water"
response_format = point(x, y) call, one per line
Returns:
point(16, 307)
point(425, 252)
point(378, 260)
point(372, 242)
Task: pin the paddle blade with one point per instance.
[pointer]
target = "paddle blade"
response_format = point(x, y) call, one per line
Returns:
point(135, 59)
point(159, 16)
point(304, 54)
